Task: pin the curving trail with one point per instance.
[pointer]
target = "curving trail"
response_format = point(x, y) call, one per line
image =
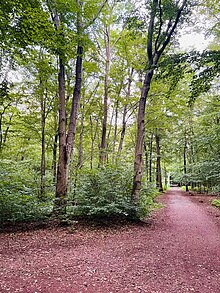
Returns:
point(178, 251)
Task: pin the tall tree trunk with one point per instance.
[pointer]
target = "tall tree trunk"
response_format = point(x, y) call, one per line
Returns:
point(185, 162)
point(80, 156)
point(115, 133)
point(155, 48)
point(75, 104)
point(66, 141)
point(59, 208)
point(108, 140)
point(61, 185)
point(7, 129)
point(92, 142)
point(103, 154)
point(43, 120)
point(120, 146)
point(165, 176)
point(54, 161)
point(146, 159)
point(3, 138)
point(138, 162)
point(124, 114)
point(158, 166)
point(151, 156)
point(93, 138)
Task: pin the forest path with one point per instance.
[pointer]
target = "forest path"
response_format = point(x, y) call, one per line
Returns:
point(179, 252)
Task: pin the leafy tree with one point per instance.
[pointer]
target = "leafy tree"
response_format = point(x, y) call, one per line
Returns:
point(164, 18)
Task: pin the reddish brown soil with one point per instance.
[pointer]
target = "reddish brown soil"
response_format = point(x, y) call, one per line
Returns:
point(177, 251)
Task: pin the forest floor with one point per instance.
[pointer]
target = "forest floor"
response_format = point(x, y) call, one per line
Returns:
point(177, 250)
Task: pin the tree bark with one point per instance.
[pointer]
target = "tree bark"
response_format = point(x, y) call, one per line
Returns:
point(54, 161)
point(122, 132)
point(138, 170)
point(108, 140)
point(124, 115)
point(61, 185)
point(66, 142)
point(103, 154)
point(185, 162)
point(151, 156)
point(43, 164)
point(146, 159)
point(80, 156)
point(3, 138)
point(115, 133)
point(93, 138)
point(158, 166)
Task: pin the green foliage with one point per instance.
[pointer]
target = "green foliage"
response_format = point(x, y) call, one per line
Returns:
point(106, 192)
point(103, 192)
point(19, 193)
point(147, 201)
point(216, 203)
point(24, 22)
point(184, 188)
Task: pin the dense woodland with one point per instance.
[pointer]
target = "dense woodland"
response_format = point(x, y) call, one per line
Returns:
point(101, 109)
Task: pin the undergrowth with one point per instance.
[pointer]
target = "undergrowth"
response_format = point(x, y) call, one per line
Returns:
point(216, 203)
point(106, 192)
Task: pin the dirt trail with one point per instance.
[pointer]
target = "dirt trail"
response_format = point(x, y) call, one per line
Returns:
point(178, 252)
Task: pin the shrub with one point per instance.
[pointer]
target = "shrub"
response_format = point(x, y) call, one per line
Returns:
point(147, 200)
point(216, 203)
point(102, 192)
point(19, 193)
point(106, 192)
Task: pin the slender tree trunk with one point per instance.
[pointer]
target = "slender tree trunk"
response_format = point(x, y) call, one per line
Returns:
point(3, 138)
point(115, 133)
point(75, 104)
point(7, 129)
point(184, 161)
point(92, 143)
point(80, 156)
point(43, 164)
point(108, 141)
point(61, 185)
point(155, 48)
point(158, 166)
point(93, 138)
point(146, 159)
point(54, 161)
point(103, 154)
point(59, 208)
point(138, 170)
point(165, 176)
point(124, 115)
point(151, 156)
point(120, 146)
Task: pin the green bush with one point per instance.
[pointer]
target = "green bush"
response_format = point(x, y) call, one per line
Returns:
point(21, 207)
point(216, 203)
point(102, 192)
point(147, 200)
point(106, 192)
point(19, 198)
